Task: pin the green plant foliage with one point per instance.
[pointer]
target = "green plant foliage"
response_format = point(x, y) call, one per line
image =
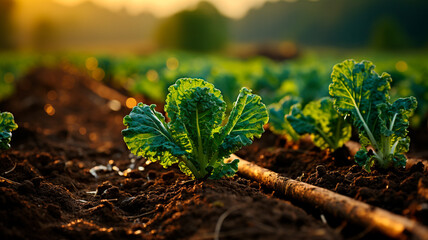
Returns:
point(319, 118)
point(7, 125)
point(195, 138)
point(364, 95)
point(278, 113)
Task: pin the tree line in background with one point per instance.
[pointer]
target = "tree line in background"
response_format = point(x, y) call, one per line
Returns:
point(381, 24)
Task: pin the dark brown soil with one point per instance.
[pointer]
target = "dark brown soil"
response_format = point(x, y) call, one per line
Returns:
point(402, 191)
point(51, 193)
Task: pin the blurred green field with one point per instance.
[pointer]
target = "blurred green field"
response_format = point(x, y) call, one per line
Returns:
point(306, 77)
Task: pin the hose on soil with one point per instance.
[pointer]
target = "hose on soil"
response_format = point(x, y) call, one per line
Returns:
point(340, 206)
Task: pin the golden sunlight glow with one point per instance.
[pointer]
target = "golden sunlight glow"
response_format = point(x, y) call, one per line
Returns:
point(162, 8)
point(172, 63)
point(152, 75)
point(82, 130)
point(131, 102)
point(114, 105)
point(91, 63)
point(49, 109)
point(401, 66)
point(98, 74)
point(9, 77)
point(52, 95)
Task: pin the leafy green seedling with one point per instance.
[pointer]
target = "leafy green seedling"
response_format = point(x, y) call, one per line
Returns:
point(364, 95)
point(278, 122)
point(195, 137)
point(318, 118)
point(7, 125)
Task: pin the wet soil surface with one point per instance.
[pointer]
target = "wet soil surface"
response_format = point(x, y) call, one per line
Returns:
point(401, 191)
point(52, 193)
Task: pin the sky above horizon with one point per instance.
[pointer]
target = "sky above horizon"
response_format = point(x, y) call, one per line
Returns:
point(162, 8)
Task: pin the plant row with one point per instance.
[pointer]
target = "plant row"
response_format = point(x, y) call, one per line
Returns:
point(196, 139)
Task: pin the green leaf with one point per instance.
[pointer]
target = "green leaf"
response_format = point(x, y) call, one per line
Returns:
point(7, 125)
point(364, 95)
point(225, 170)
point(357, 90)
point(147, 135)
point(365, 160)
point(245, 122)
point(196, 110)
point(181, 93)
point(320, 119)
point(278, 113)
point(397, 113)
point(194, 138)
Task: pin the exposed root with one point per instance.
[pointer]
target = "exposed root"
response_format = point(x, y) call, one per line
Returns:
point(8, 180)
point(9, 171)
point(141, 215)
point(221, 220)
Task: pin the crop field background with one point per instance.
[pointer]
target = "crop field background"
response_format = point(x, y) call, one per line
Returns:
point(276, 48)
point(70, 70)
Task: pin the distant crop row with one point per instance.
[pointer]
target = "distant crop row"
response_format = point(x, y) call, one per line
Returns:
point(304, 80)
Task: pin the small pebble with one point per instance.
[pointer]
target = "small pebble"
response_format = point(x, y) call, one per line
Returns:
point(151, 175)
point(26, 187)
point(168, 175)
point(321, 171)
point(102, 188)
point(36, 181)
point(54, 210)
point(111, 193)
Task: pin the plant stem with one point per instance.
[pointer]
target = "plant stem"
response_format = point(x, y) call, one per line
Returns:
point(369, 133)
point(201, 157)
point(192, 167)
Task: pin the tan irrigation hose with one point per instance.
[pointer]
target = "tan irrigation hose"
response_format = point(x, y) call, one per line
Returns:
point(360, 213)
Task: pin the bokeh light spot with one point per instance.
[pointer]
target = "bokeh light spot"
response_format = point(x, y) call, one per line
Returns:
point(49, 109)
point(82, 130)
point(93, 137)
point(131, 102)
point(401, 66)
point(172, 63)
point(98, 74)
point(91, 63)
point(9, 77)
point(52, 95)
point(114, 105)
point(152, 75)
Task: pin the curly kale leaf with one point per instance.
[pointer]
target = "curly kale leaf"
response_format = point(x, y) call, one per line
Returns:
point(148, 135)
point(363, 94)
point(278, 113)
point(195, 138)
point(245, 122)
point(7, 125)
point(196, 110)
point(318, 118)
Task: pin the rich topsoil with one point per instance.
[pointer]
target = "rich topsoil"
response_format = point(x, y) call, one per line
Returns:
point(54, 191)
point(401, 191)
